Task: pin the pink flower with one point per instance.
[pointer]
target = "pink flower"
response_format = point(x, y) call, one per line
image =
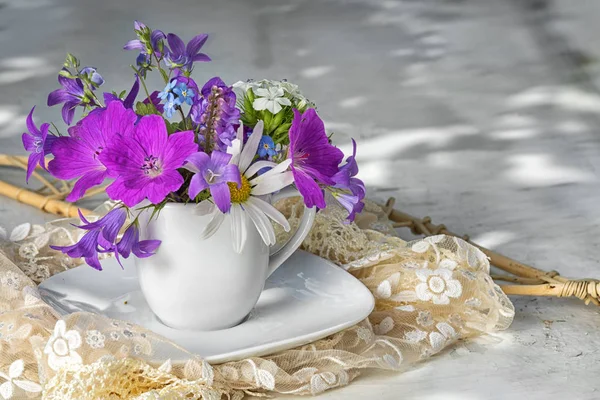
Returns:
point(145, 162)
point(77, 155)
point(314, 159)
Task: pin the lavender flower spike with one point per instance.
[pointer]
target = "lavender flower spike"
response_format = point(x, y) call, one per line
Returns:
point(216, 114)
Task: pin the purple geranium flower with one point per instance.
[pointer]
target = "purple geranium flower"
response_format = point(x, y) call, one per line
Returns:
point(146, 161)
point(313, 157)
point(101, 237)
point(216, 114)
point(213, 172)
point(350, 190)
point(38, 143)
point(130, 99)
point(77, 155)
point(72, 94)
point(183, 57)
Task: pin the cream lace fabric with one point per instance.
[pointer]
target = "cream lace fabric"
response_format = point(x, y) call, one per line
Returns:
point(429, 294)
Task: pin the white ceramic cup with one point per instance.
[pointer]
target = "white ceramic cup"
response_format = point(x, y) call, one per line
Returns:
point(202, 284)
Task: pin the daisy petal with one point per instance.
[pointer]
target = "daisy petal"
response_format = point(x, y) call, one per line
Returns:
point(251, 146)
point(273, 184)
point(213, 226)
point(257, 166)
point(263, 226)
point(270, 211)
point(238, 228)
point(276, 170)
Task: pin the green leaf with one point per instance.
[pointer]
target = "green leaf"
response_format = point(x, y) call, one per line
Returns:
point(66, 74)
point(145, 109)
point(122, 94)
point(172, 127)
point(71, 61)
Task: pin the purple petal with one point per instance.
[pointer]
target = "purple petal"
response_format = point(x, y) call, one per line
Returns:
point(129, 196)
point(199, 162)
point(155, 36)
point(138, 26)
point(197, 184)
point(179, 146)
point(28, 141)
point(216, 81)
point(221, 196)
point(109, 97)
point(196, 44)
point(93, 262)
point(145, 248)
point(134, 45)
point(219, 158)
point(231, 173)
point(201, 57)
point(309, 189)
point(58, 96)
point(31, 125)
point(33, 160)
point(127, 241)
point(68, 111)
point(113, 222)
point(87, 181)
point(130, 99)
point(176, 44)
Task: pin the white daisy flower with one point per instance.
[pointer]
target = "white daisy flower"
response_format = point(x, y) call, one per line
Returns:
point(247, 200)
point(271, 99)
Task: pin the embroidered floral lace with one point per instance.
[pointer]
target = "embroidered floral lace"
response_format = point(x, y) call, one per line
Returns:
point(429, 294)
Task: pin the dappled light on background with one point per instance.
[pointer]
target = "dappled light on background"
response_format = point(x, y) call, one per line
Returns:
point(316, 72)
point(494, 239)
point(394, 143)
point(565, 97)
point(542, 170)
point(19, 69)
point(10, 121)
point(353, 102)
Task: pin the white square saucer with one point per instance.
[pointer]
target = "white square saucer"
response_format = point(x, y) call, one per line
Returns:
point(306, 299)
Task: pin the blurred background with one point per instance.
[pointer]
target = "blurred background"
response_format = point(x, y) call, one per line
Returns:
point(483, 114)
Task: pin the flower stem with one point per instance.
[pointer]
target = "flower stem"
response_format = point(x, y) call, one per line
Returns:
point(143, 83)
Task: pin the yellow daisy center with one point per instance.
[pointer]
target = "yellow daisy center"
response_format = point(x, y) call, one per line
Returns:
point(240, 195)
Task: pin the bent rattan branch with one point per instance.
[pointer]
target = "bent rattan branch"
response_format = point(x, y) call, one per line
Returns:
point(528, 280)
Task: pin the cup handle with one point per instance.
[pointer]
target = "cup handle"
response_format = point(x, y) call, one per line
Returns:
point(297, 238)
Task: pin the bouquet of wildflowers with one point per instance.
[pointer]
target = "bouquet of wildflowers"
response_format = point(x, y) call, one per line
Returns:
point(226, 148)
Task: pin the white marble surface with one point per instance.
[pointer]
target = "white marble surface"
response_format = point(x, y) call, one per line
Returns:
point(476, 112)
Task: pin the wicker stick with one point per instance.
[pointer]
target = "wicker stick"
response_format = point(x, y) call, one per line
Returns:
point(530, 281)
point(21, 162)
point(39, 201)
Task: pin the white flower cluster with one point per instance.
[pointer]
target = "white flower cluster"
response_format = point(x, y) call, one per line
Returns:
point(271, 95)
